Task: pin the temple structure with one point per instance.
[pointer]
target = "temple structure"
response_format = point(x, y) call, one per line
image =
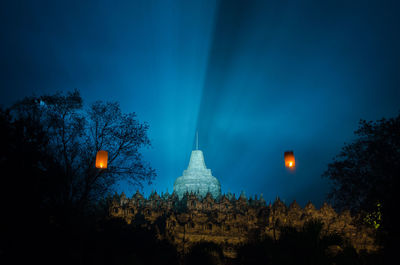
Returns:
point(197, 212)
point(231, 221)
point(197, 178)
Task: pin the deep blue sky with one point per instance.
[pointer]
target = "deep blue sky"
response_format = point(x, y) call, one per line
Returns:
point(255, 78)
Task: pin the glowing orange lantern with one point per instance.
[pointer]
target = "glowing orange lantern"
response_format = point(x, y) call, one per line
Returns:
point(101, 159)
point(289, 159)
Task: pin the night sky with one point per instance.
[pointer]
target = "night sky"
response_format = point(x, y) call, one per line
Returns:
point(255, 78)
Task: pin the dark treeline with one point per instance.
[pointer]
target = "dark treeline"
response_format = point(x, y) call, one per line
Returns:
point(308, 245)
point(364, 178)
point(53, 199)
point(54, 206)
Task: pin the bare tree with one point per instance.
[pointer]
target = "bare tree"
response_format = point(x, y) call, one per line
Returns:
point(75, 134)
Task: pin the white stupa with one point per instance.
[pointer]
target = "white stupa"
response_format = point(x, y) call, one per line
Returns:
point(197, 178)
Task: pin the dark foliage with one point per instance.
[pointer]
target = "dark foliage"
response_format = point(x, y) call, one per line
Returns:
point(205, 253)
point(364, 172)
point(307, 246)
point(54, 139)
point(115, 242)
point(365, 176)
point(52, 198)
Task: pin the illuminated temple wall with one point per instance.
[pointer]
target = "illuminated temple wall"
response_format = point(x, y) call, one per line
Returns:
point(230, 221)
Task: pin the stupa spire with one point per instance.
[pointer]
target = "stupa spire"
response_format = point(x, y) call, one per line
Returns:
point(197, 140)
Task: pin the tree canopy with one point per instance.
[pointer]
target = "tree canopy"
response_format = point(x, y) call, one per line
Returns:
point(364, 172)
point(364, 176)
point(64, 135)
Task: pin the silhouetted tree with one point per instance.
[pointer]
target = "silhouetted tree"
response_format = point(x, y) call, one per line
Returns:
point(364, 174)
point(73, 136)
point(49, 186)
point(24, 187)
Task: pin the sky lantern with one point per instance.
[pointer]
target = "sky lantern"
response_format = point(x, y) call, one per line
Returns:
point(289, 159)
point(101, 159)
